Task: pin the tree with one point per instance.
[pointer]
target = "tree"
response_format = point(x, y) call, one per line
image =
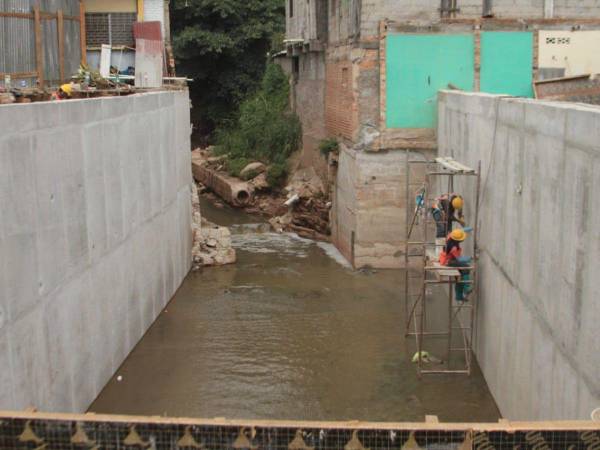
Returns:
point(223, 45)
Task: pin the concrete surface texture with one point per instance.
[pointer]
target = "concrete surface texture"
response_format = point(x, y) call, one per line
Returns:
point(95, 237)
point(538, 334)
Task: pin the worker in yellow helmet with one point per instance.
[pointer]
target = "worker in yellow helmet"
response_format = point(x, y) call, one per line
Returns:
point(445, 210)
point(452, 256)
point(64, 92)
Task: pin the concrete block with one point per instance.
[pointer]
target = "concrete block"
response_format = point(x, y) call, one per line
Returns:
point(17, 118)
point(153, 176)
point(116, 107)
point(102, 337)
point(30, 363)
point(7, 400)
point(49, 172)
point(511, 112)
point(79, 112)
point(18, 263)
point(132, 172)
point(166, 99)
point(583, 128)
point(47, 115)
point(74, 202)
point(121, 272)
point(545, 119)
point(168, 160)
point(51, 258)
point(71, 354)
point(17, 185)
point(144, 170)
point(95, 192)
point(145, 103)
point(113, 186)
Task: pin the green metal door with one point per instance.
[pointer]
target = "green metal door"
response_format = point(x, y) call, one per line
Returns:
point(417, 66)
point(507, 63)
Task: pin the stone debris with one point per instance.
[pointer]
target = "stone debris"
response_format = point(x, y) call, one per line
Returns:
point(302, 207)
point(253, 168)
point(212, 243)
point(260, 182)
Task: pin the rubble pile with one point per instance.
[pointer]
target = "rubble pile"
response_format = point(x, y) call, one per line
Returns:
point(212, 243)
point(308, 208)
point(301, 207)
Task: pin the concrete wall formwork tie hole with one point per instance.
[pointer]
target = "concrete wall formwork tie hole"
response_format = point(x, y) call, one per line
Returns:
point(95, 237)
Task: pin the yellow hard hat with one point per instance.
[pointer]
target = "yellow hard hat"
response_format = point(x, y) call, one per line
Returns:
point(458, 235)
point(67, 89)
point(458, 202)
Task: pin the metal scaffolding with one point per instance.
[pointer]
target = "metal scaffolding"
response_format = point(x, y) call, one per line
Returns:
point(449, 327)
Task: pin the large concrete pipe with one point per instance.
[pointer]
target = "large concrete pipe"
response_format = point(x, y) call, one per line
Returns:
point(234, 191)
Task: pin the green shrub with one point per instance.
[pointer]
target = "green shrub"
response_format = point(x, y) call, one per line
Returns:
point(326, 146)
point(266, 130)
point(277, 174)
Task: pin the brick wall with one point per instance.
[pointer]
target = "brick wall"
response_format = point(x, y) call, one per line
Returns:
point(339, 99)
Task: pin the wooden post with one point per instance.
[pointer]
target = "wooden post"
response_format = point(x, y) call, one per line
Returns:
point(60, 27)
point(82, 36)
point(39, 56)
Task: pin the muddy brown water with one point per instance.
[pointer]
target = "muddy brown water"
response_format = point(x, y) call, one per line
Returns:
point(286, 333)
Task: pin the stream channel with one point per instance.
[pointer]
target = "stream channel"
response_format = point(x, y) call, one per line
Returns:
point(289, 332)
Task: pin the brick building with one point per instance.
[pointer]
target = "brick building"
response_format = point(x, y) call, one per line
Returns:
point(368, 73)
point(111, 22)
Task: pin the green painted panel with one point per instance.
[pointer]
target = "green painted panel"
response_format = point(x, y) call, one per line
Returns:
point(507, 63)
point(418, 65)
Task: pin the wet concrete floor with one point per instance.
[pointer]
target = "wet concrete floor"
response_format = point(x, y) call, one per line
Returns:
point(286, 333)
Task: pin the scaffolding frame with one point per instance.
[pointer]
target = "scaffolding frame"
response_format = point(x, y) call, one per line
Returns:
point(431, 273)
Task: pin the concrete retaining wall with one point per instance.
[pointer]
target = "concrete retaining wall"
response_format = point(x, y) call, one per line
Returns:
point(538, 334)
point(95, 237)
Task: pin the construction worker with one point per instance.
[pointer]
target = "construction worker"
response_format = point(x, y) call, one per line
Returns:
point(445, 210)
point(451, 256)
point(63, 92)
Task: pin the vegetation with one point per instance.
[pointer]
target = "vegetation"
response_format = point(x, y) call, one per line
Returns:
point(277, 174)
point(326, 146)
point(222, 45)
point(265, 131)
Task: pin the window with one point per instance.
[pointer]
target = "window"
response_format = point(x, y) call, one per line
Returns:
point(110, 28)
point(291, 8)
